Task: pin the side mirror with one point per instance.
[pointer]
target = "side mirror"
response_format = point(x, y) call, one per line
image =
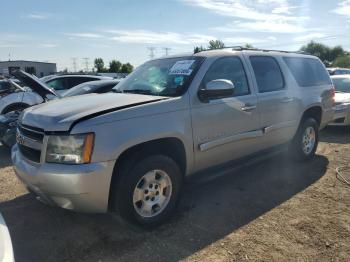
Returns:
point(215, 89)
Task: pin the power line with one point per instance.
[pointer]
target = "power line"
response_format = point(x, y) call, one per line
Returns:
point(166, 49)
point(151, 50)
point(74, 62)
point(86, 60)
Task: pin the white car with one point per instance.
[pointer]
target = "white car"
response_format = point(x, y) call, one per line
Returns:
point(342, 100)
point(17, 98)
point(6, 250)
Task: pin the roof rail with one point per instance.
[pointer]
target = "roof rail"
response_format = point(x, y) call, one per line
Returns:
point(242, 48)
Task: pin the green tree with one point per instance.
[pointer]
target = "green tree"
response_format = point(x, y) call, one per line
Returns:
point(127, 68)
point(99, 64)
point(216, 44)
point(342, 61)
point(248, 46)
point(198, 49)
point(115, 66)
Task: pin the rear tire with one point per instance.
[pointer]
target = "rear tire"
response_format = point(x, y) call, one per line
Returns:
point(304, 144)
point(147, 193)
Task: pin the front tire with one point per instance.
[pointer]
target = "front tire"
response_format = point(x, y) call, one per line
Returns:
point(148, 192)
point(304, 144)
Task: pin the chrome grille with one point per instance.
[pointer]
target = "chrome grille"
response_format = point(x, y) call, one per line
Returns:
point(30, 142)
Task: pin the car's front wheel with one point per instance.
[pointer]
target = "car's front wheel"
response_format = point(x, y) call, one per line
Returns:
point(305, 142)
point(148, 192)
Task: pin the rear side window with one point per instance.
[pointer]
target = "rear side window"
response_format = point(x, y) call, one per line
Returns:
point(229, 68)
point(307, 71)
point(74, 81)
point(267, 73)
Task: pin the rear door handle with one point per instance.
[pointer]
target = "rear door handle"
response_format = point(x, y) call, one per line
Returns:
point(287, 99)
point(248, 107)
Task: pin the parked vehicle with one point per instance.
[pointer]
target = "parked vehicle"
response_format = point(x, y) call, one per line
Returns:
point(6, 250)
point(8, 122)
point(173, 117)
point(19, 99)
point(338, 71)
point(342, 100)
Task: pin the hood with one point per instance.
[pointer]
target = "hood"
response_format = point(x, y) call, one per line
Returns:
point(342, 97)
point(62, 114)
point(35, 84)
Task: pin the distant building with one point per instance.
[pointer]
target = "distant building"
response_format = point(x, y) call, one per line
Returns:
point(39, 69)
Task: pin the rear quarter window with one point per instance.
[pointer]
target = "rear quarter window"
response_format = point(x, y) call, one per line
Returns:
point(307, 71)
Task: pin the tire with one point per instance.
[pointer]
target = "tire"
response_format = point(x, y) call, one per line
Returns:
point(136, 196)
point(304, 144)
point(15, 107)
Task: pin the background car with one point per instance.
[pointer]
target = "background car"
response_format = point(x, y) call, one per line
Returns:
point(6, 249)
point(8, 122)
point(19, 99)
point(342, 100)
point(338, 71)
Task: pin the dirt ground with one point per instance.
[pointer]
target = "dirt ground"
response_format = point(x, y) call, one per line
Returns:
point(271, 210)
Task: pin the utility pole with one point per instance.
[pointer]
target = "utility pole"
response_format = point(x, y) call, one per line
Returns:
point(74, 62)
point(86, 60)
point(166, 49)
point(151, 50)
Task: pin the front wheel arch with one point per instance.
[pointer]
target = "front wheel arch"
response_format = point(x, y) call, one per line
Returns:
point(13, 107)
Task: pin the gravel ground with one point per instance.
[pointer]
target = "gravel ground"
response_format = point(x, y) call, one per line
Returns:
point(271, 210)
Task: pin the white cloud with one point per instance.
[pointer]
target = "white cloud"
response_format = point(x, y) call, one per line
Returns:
point(253, 10)
point(84, 35)
point(47, 45)
point(309, 37)
point(343, 8)
point(37, 16)
point(151, 37)
point(263, 26)
point(247, 40)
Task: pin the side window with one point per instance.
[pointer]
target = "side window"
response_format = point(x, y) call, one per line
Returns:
point(307, 71)
point(267, 73)
point(229, 68)
point(74, 81)
point(58, 84)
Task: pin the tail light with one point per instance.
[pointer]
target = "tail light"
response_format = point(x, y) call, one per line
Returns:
point(333, 94)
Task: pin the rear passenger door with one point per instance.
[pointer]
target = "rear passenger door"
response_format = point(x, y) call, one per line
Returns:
point(276, 100)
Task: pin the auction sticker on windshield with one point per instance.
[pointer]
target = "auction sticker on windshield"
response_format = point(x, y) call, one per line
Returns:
point(182, 68)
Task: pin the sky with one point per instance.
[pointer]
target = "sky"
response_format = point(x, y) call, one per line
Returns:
point(81, 30)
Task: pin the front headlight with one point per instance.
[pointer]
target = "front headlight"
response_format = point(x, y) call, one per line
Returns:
point(70, 149)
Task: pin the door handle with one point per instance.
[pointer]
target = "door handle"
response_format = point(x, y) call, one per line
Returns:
point(287, 99)
point(248, 107)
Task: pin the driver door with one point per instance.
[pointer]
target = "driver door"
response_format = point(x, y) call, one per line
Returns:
point(227, 128)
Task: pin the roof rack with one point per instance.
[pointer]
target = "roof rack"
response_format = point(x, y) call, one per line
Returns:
point(242, 48)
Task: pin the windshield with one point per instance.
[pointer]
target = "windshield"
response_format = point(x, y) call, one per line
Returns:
point(342, 84)
point(163, 77)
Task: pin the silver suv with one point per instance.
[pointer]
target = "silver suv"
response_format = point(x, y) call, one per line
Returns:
point(129, 151)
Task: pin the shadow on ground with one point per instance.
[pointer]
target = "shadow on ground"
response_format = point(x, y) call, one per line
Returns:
point(209, 210)
point(336, 134)
point(5, 156)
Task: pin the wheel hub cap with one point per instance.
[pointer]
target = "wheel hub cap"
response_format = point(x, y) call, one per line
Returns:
point(152, 193)
point(309, 140)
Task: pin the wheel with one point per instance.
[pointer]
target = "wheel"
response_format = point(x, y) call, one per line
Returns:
point(305, 142)
point(148, 192)
point(16, 107)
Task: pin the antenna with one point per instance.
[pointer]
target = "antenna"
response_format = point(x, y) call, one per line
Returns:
point(74, 62)
point(86, 60)
point(166, 49)
point(151, 50)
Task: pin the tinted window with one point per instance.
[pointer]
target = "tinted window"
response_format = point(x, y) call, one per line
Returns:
point(342, 84)
point(4, 85)
point(229, 68)
point(74, 81)
point(267, 73)
point(307, 71)
point(58, 84)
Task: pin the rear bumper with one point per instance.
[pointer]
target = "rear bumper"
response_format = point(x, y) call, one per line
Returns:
point(6, 250)
point(341, 117)
point(83, 188)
